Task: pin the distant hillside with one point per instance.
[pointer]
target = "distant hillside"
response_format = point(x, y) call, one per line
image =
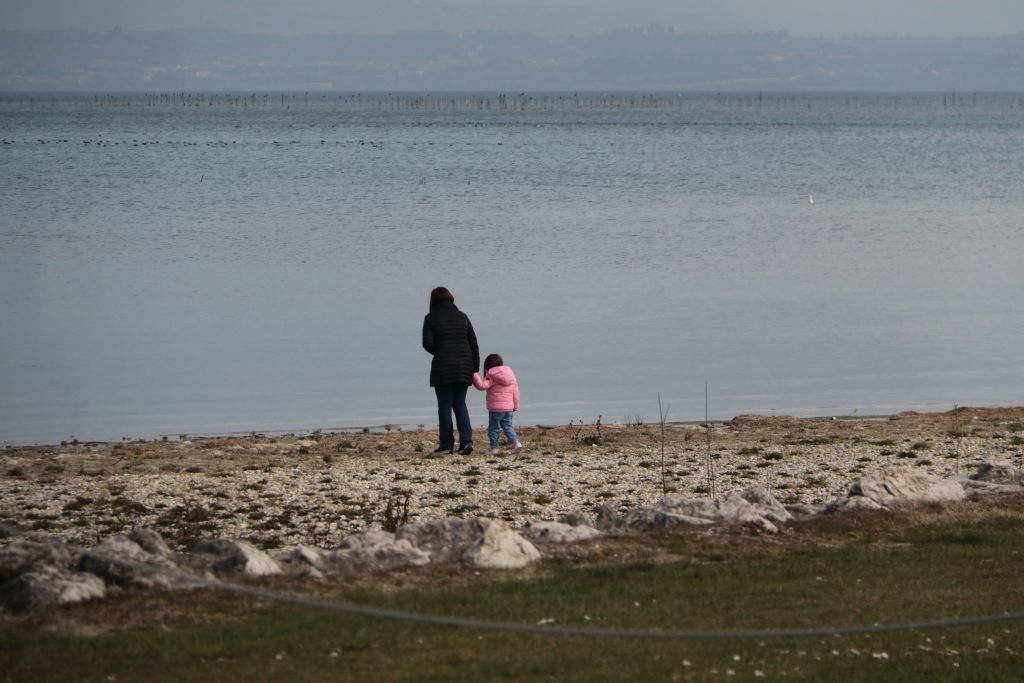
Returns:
point(625, 59)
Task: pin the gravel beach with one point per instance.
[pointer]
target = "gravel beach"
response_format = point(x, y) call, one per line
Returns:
point(317, 488)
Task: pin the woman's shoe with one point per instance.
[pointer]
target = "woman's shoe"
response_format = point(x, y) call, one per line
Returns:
point(516, 447)
point(492, 451)
point(465, 450)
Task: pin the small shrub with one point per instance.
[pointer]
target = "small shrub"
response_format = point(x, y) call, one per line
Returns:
point(396, 512)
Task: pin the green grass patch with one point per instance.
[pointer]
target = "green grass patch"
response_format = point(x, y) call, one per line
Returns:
point(931, 572)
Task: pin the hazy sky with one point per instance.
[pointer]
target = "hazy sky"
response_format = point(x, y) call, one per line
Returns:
point(800, 17)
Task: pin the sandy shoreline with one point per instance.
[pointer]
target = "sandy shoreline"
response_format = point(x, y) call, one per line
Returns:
point(318, 488)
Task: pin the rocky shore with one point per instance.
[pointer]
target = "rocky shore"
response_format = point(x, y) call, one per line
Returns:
point(318, 489)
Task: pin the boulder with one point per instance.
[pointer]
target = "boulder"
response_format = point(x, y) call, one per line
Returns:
point(150, 541)
point(607, 518)
point(848, 503)
point(735, 509)
point(557, 532)
point(986, 487)
point(227, 557)
point(477, 541)
point(122, 561)
point(902, 485)
point(500, 548)
point(576, 518)
point(29, 553)
point(997, 473)
point(664, 515)
point(374, 550)
point(49, 586)
point(655, 518)
point(804, 510)
point(302, 560)
point(753, 506)
point(766, 504)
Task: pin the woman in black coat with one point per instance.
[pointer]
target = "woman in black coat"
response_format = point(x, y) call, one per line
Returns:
point(448, 336)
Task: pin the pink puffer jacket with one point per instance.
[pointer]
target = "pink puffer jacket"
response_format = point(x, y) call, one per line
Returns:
point(502, 388)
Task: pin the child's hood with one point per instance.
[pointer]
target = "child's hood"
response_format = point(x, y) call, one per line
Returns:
point(501, 374)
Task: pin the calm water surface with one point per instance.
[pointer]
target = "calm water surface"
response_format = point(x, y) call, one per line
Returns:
point(205, 264)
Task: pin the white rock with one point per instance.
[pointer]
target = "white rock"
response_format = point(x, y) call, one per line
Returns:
point(374, 550)
point(500, 547)
point(896, 485)
point(766, 504)
point(804, 510)
point(847, 503)
point(150, 541)
point(735, 508)
point(576, 518)
point(997, 473)
point(302, 560)
point(120, 560)
point(29, 553)
point(48, 586)
point(557, 532)
point(227, 557)
point(654, 518)
point(478, 541)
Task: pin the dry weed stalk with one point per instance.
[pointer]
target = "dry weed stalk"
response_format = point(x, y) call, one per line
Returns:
point(709, 462)
point(396, 513)
point(957, 430)
point(662, 414)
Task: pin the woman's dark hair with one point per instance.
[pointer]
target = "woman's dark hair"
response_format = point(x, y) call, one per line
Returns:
point(492, 361)
point(439, 295)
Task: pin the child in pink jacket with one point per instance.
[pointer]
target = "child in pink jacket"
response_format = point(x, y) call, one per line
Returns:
point(502, 400)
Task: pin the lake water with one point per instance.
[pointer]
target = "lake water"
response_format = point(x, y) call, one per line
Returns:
point(206, 264)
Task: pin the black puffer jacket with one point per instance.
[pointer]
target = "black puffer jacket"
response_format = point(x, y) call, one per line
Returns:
point(448, 336)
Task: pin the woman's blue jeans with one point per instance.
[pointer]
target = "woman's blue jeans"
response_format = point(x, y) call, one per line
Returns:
point(452, 398)
point(496, 420)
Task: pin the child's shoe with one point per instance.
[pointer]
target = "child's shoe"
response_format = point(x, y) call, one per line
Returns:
point(517, 446)
point(492, 451)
